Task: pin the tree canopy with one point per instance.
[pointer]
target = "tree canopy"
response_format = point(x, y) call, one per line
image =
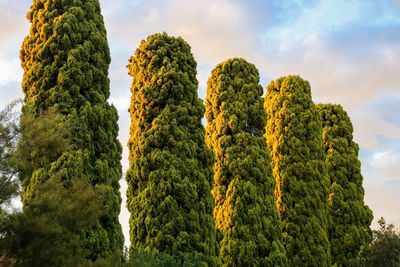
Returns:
point(294, 136)
point(65, 59)
point(170, 175)
point(349, 217)
point(245, 210)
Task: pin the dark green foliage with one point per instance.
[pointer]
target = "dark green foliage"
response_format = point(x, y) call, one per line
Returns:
point(65, 60)
point(383, 250)
point(48, 232)
point(146, 259)
point(245, 209)
point(349, 218)
point(294, 136)
point(44, 138)
point(170, 175)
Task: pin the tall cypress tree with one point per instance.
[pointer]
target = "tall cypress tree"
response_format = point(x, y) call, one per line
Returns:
point(245, 210)
point(349, 217)
point(294, 136)
point(65, 60)
point(170, 175)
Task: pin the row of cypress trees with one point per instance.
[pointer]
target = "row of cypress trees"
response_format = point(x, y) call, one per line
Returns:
point(276, 185)
point(287, 183)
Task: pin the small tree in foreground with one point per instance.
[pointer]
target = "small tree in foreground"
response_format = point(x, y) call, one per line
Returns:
point(49, 230)
point(384, 249)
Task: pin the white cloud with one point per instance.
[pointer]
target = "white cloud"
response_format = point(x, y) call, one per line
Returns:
point(387, 164)
point(10, 71)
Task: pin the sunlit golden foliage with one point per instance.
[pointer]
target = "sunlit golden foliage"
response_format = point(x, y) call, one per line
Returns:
point(170, 175)
point(294, 136)
point(245, 210)
point(349, 217)
point(65, 60)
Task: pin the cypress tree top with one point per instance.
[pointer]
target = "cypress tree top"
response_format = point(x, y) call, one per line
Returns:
point(294, 136)
point(245, 208)
point(169, 180)
point(65, 60)
point(349, 217)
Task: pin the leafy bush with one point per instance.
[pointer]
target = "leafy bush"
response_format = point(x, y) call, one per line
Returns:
point(384, 249)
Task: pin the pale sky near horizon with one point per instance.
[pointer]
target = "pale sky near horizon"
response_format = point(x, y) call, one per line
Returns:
point(348, 50)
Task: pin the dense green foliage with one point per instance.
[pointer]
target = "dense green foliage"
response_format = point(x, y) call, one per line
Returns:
point(170, 175)
point(65, 60)
point(349, 218)
point(294, 136)
point(48, 231)
point(146, 259)
point(245, 210)
point(384, 248)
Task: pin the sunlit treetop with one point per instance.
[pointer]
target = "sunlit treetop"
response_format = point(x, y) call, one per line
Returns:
point(170, 175)
point(294, 136)
point(349, 217)
point(245, 210)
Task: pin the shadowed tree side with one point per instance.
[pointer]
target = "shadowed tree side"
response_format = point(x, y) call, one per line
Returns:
point(245, 210)
point(294, 136)
point(170, 175)
point(349, 217)
point(65, 60)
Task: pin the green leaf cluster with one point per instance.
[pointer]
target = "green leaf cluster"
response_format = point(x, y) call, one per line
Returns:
point(245, 210)
point(65, 60)
point(170, 176)
point(349, 217)
point(294, 137)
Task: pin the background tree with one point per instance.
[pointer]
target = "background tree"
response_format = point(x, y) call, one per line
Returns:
point(294, 136)
point(349, 217)
point(243, 190)
point(9, 186)
point(9, 136)
point(65, 60)
point(170, 175)
point(384, 248)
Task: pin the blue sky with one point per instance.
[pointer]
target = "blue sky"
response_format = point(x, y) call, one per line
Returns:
point(349, 50)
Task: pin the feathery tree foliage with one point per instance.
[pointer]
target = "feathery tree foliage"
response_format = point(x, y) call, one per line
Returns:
point(65, 60)
point(47, 232)
point(170, 175)
point(245, 210)
point(349, 218)
point(9, 136)
point(294, 136)
point(9, 186)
